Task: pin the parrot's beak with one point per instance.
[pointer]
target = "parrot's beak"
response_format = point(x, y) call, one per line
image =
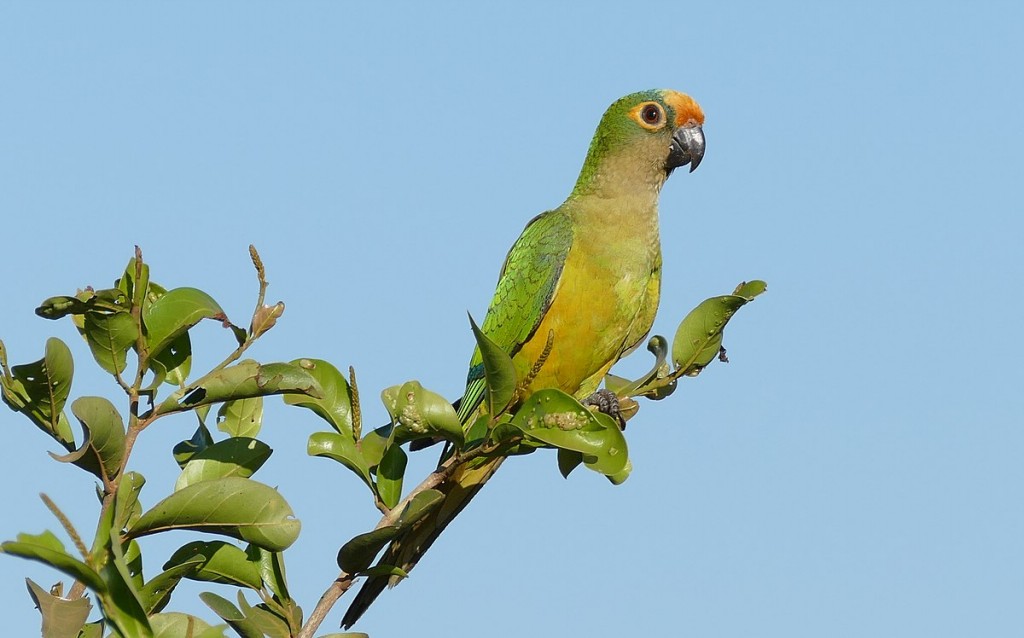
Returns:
point(687, 148)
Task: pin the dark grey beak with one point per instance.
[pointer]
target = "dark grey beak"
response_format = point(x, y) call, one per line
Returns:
point(687, 148)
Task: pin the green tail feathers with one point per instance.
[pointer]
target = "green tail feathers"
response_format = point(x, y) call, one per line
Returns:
point(406, 551)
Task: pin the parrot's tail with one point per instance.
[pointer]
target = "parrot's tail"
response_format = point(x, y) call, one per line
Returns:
point(406, 551)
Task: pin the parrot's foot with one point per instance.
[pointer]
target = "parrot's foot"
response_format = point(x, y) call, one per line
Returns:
point(607, 402)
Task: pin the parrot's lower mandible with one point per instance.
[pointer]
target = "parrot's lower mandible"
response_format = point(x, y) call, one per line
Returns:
point(579, 289)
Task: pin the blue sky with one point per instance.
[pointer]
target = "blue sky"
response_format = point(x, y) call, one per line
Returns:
point(855, 470)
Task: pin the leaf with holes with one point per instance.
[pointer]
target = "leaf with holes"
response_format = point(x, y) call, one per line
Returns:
point(244, 380)
point(241, 417)
point(174, 313)
point(174, 363)
point(40, 389)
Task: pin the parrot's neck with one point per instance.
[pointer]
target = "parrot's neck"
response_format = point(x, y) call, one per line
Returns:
point(617, 194)
point(619, 191)
point(625, 220)
point(631, 178)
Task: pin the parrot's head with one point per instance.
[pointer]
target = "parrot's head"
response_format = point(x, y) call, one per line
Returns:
point(642, 138)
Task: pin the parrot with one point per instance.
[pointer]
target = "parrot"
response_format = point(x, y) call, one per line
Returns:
point(578, 290)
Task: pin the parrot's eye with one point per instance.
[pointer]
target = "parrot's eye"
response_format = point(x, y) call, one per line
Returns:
point(651, 114)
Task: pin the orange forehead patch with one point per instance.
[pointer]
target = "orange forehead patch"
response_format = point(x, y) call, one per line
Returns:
point(687, 110)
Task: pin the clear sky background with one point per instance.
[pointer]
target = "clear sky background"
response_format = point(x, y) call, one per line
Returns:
point(856, 470)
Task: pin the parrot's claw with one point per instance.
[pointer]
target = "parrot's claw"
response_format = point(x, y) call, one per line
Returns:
point(607, 402)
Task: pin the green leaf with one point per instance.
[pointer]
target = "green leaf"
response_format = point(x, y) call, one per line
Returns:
point(476, 433)
point(271, 624)
point(385, 570)
point(217, 562)
point(242, 417)
point(126, 505)
point(244, 380)
point(92, 630)
point(174, 313)
point(110, 300)
point(271, 570)
point(62, 306)
point(699, 336)
point(335, 404)
point(750, 289)
point(418, 412)
point(224, 608)
point(121, 601)
point(389, 475)
point(340, 448)
point(40, 389)
point(655, 384)
point(103, 448)
point(422, 504)
point(557, 419)
point(620, 477)
point(135, 284)
point(174, 363)
point(357, 554)
point(179, 625)
point(133, 562)
point(185, 450)
point(499, 372)
point(373, 445)
point(618, 385)
point(157, 592)
point(568, 460)
point(62, 618)
point(110, 337)
point(47, 548)
point(237, 456)
point(232, 506)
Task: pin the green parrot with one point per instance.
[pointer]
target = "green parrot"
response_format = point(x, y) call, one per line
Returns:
point(579, 289)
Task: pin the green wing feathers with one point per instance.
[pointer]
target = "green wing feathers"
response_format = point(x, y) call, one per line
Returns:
point(527, 283)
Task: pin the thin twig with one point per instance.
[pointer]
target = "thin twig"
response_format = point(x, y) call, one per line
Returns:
point(180, 393)
point(338, 587)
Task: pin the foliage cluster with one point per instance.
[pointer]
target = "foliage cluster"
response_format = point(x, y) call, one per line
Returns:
point(138, 333)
